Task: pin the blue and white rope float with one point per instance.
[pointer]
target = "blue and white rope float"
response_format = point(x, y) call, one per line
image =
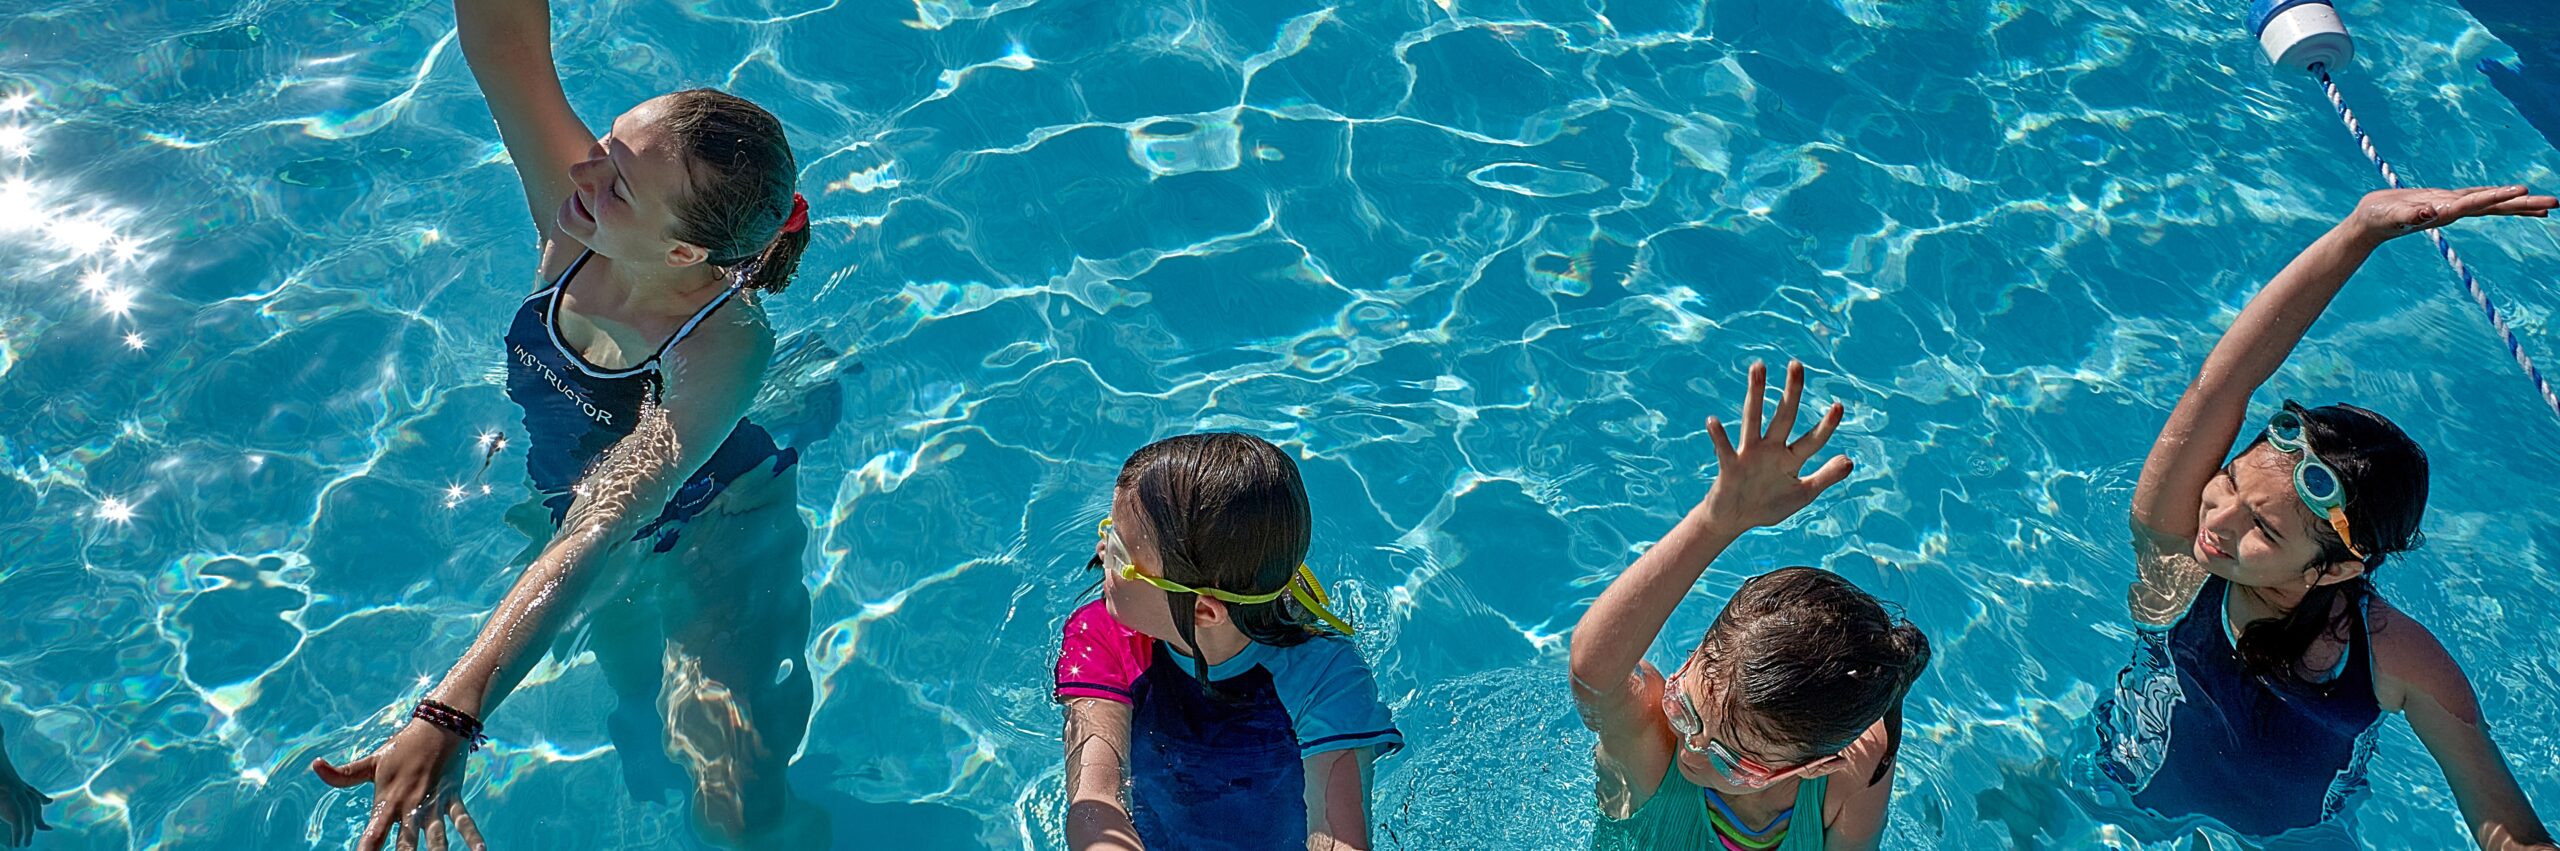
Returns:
point(2306, 35)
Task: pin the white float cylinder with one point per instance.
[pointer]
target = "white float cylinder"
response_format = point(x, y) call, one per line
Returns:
point(2300, 34)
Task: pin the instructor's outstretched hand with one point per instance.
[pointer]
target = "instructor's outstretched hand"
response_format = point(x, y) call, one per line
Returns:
point(417, 785)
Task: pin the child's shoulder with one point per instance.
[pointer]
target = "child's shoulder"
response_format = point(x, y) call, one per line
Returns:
point(1862, 777)
point(1331, 696)
point(2407, 657)
point(1322, 652)
point(1322, 669)
point(1098, 656)
point(1091, 617)
point(1093, 626)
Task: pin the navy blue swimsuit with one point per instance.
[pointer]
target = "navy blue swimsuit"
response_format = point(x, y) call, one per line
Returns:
point(2193, 735)
point(1224, 770)
point(574, 411)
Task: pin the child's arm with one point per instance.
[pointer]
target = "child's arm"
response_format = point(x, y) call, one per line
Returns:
point(1756, 485)
point(2419, 679)
point(2207, 417)
point(1097, 742)
point(1338, 800)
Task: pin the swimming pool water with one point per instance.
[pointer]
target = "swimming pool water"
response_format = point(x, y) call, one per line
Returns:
point(1485, 266)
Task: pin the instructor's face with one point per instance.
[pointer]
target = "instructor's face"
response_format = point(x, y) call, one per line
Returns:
point(623, 196)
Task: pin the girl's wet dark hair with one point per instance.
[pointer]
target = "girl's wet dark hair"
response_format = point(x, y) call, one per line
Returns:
point(743, 186)
point(2385, 477)
point(1803, 656)
point(1230, 513)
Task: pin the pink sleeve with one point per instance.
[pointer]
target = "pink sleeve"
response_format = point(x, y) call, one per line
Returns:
point(1099, 657)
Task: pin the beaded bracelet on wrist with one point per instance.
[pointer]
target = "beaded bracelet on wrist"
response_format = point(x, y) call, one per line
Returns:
point(450, 720)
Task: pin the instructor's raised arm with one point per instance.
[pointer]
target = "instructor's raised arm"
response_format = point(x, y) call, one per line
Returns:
point(508, 44)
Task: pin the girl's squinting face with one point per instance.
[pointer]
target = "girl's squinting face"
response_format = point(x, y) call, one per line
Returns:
point(622, 196)
point(2251, 528)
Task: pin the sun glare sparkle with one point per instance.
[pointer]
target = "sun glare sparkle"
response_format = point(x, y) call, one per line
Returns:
point(81, 237)
point(19, 207)
point(118, 303)
point(133, 341)
point(115, 510)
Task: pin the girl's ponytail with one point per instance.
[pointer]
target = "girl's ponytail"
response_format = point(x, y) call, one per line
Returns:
point(771, 271)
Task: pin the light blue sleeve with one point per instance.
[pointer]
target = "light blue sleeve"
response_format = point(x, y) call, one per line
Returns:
point(1332, 699)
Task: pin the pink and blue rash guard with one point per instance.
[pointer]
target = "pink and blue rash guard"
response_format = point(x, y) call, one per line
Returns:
point(1223, 769)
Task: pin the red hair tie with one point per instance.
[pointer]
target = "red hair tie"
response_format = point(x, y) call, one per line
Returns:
point(799, 220)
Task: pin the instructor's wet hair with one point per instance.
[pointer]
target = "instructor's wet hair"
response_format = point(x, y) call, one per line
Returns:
point(1807, 658)
point(1230, 513)
point(2385, 477)
point(743, 186)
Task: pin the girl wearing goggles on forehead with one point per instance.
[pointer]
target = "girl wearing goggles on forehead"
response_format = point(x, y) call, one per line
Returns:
point(1778, 733)
point(1210, 682)
point(2266, 659)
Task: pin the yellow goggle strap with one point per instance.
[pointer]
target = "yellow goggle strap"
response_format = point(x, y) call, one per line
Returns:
point(1303, 586)
point(1310, 594)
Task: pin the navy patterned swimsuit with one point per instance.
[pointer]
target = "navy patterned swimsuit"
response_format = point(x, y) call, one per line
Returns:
point(574, 411)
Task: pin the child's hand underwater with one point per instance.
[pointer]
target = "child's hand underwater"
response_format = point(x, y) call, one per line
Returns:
point(1757, 482)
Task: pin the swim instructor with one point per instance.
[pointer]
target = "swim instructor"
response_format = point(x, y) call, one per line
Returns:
point(673, 540)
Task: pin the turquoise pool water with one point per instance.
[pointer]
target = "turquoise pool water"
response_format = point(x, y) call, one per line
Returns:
point(1485, 266)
